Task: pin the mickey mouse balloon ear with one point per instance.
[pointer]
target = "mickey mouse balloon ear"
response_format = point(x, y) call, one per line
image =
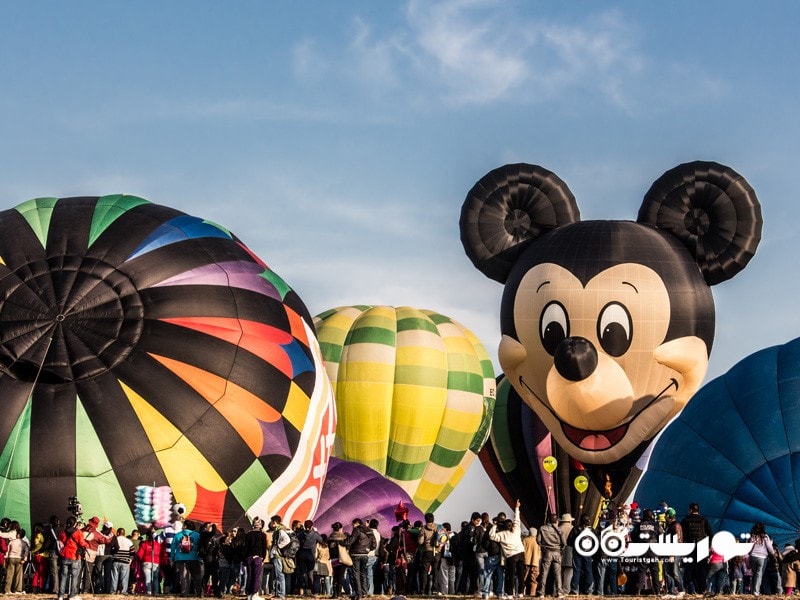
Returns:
point(509, 207)
point(712, 210)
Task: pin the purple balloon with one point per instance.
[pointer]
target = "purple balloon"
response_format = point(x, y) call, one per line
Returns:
point(352, 490)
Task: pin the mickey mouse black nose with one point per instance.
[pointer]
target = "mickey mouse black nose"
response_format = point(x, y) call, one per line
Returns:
point(575, 358)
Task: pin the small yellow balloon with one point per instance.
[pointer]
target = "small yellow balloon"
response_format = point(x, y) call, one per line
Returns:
point(581, 483)
point(549, 463)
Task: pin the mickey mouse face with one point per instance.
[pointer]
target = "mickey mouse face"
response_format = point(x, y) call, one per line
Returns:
point(589, 344)
point(607, 325)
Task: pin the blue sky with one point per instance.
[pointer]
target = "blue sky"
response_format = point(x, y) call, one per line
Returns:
point(339, 139)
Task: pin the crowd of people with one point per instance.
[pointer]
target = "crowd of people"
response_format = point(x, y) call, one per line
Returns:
point(487, 557)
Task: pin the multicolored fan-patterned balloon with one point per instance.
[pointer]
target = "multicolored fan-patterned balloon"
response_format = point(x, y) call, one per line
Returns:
point(414, 395)
point(143, 346)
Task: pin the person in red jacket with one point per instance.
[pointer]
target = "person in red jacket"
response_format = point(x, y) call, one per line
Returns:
point(71, 559)
point(94, 538)
point(150, 554)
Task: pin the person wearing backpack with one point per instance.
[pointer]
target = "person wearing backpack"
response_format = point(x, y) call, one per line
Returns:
point(428, 540)
point(280, 540)
point(185, 555)
point(72, 548)
point(447, 566)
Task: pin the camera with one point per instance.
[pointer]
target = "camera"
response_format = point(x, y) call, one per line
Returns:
point(74, 506)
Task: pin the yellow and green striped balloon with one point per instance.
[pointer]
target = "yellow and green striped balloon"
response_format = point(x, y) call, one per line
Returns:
point(414, 394)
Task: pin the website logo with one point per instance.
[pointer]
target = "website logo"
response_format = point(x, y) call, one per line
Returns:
point(613, 544)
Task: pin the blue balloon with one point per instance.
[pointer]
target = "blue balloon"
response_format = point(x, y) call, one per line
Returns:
point(735, 449)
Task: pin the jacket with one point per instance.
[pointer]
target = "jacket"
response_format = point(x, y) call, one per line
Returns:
point(361, 541)
point(510, 540)
point(72, 540)
point(428, 539)
point(149, 552)
point(551, 538)
point(175, 550)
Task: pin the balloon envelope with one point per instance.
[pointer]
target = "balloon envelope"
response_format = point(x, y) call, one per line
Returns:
point(143, 346)
point(514, 459)
point(414, 393)
point(513, 455)
point(353, 490)
point(735, 449)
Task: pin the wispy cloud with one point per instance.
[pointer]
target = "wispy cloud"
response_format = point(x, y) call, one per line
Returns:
point(476, 52)
point(481, 51)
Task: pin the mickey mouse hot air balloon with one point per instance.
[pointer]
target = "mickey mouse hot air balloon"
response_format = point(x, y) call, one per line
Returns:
point(607, 326)
point(143, 346)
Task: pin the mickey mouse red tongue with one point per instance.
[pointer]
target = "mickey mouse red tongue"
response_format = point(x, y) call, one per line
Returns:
point(594, 440)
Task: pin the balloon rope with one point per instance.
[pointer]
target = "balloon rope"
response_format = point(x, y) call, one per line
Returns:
point(19, 429)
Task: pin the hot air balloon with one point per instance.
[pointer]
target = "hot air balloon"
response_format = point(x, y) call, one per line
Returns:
point(354, 490)
point(516, 459)
point(143, 346)
point(414, 392)
point(607, 325)
point(735, 450)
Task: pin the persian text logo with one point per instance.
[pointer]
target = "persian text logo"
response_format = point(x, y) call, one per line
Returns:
point(612, 544)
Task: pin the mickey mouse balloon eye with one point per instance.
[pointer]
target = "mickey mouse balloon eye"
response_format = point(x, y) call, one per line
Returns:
point(614, 329)
point(554, 326)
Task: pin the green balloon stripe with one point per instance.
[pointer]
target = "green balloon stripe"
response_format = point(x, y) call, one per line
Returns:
point(501, 437)
point(108, 209)
point(15, 470)
point(465, 382)
point(446, 458)
point(38, 213)
point(331, 351)
point(437, 318)
point(485, 428)
point(95, 483)
point(402, 471)
point(371, 335)
point(280, 285)
point(416, 324)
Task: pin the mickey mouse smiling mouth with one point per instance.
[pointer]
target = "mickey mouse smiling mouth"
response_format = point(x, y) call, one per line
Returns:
point(598, 441)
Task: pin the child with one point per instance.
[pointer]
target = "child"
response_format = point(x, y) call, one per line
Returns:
point(737, 575)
